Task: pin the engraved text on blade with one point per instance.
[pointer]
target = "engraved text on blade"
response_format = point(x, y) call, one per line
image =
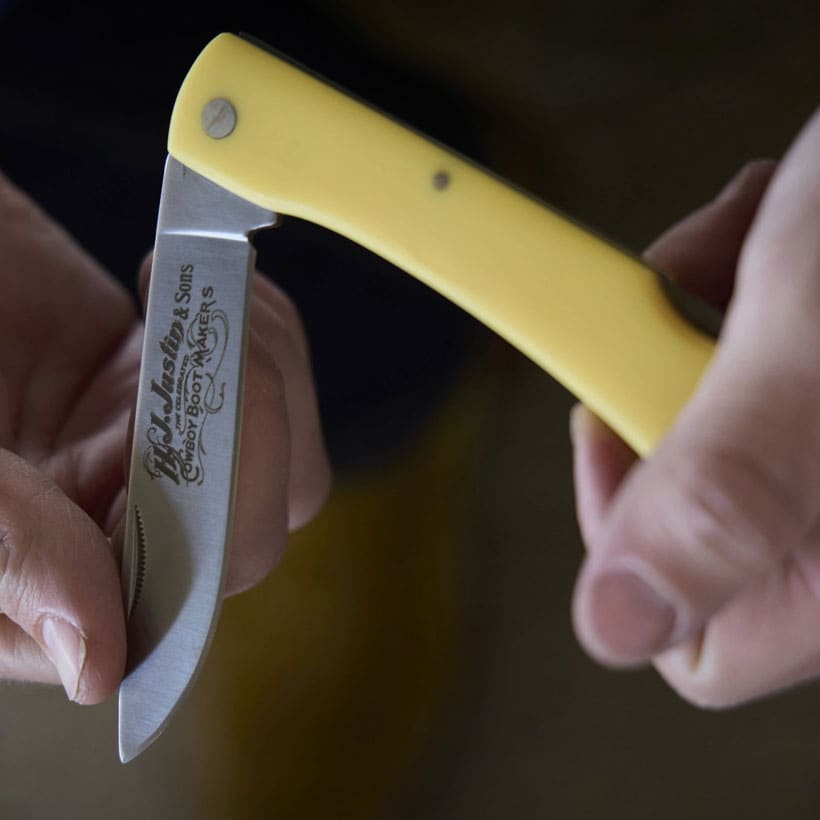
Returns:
point(188, 389)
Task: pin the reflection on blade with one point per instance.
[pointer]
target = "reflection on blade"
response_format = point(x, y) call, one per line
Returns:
point(186, 433)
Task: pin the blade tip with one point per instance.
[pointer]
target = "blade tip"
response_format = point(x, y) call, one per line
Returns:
point(131, 737)
point(128, 751)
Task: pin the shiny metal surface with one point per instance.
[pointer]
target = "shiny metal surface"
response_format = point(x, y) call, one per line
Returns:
point(218, 118)
point(184, 451)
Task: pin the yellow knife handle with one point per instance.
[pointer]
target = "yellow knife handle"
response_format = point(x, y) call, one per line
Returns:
point(592, 316)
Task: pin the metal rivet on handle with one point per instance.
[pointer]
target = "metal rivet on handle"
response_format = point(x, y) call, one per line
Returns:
point(218, 118)
point(441, 179)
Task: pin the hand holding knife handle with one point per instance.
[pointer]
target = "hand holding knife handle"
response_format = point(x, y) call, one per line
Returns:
point(592, 316)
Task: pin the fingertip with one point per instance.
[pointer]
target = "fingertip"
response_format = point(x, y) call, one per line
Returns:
point(587, 431)
point(580, 419)
point(309, 490)
point(621, 617)
point(601, 462)
point(749, 183)
point(103, 670)
point(144, 276)
point(89, 662)
point(701, 251)
point(67, 648)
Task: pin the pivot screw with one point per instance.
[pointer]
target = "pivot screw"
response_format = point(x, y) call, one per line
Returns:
point(218, 118)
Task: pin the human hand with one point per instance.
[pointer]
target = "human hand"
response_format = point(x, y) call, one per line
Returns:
point(705, 557)
point(70, 345)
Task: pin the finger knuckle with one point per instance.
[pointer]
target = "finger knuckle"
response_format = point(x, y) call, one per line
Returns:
point(737, 508)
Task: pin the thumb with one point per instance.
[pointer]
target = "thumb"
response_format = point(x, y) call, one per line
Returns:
point(60, 597)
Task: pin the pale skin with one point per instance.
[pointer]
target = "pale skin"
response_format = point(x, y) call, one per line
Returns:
point(70, 343)
point(703, 559)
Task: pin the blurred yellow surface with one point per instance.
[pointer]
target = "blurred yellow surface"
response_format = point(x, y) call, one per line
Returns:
point(327, 681)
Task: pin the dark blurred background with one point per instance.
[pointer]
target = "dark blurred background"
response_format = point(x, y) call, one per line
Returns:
point(427, 611)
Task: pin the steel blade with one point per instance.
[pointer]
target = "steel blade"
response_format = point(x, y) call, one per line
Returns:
point(184, 452)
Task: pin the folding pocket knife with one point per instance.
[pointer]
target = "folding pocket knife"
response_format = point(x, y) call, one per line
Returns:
point(252, 137)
